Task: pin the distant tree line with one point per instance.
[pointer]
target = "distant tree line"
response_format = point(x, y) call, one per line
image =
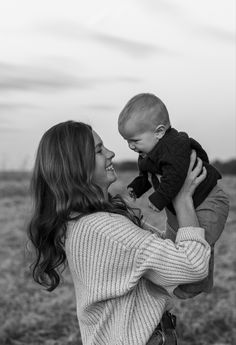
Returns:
point(15, 175)
point(225, 168)
point(126, 165)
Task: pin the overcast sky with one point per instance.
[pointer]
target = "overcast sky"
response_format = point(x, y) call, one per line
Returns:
point(83, 60)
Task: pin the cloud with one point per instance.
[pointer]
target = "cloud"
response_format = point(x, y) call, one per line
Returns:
point(133, 48)
point(3, 120)
point(160, 5)
point(38, 78)
point(22, 77)
point(9, 110)
point(8, 128)
point(115, 79)
point(100, 107)
point(6, 125)
point(218, 33)
point(16, 106)
point(188, 20)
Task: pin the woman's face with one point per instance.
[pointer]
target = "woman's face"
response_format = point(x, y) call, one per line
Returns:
point(104, 173)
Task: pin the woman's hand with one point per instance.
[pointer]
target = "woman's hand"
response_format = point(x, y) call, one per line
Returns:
point(193, 179)
point(183, 202)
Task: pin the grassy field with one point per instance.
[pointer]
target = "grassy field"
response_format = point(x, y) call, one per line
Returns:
point(31, 316)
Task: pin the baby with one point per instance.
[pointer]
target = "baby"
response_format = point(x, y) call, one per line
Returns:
point(164, 156)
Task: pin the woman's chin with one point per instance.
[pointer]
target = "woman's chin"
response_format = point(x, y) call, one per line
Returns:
point(112, 176)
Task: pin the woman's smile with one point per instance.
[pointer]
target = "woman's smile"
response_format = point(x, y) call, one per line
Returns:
point(103, 161)
point(110, 167)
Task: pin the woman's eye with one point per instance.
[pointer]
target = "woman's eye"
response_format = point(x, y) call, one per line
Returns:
point(99, 150)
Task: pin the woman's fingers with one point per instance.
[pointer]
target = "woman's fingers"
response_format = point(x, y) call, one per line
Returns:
point(193, 157)
point(198, 175)
point(201, 177)
point(198, 168)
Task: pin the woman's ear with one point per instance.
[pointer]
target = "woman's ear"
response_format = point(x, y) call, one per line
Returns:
point(160, 131)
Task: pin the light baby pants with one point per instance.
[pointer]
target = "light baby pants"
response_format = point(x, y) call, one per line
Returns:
point(212, 214)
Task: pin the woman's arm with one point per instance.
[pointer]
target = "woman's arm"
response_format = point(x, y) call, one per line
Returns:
point(183, 202)
point(188, 257)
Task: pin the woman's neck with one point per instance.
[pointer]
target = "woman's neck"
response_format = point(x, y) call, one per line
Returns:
point(105, 193)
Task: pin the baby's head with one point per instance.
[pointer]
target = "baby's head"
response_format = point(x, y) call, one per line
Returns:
point(143, 122)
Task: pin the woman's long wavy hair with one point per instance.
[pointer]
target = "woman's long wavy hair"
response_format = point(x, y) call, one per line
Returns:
point(62, 183)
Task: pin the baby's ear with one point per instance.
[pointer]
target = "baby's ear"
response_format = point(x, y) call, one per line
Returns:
point(160, 131)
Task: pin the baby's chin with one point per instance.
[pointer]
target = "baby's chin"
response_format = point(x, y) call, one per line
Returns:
point(142, 154)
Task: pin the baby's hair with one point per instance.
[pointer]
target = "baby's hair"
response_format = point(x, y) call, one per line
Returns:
point(144, 103)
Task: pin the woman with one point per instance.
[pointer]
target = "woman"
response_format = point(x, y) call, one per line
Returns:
point(123, 274)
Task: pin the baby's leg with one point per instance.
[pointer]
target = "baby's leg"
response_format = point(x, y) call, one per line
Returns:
point(212, 215)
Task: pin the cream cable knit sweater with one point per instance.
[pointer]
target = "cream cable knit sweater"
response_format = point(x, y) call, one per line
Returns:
point(110, 258)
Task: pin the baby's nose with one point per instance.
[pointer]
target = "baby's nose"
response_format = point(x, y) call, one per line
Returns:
point(131, 146)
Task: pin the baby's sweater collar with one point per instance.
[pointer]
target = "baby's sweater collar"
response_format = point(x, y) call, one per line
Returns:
point(153, 153)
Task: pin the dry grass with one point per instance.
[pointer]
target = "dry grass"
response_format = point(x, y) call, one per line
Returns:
point(32, 316)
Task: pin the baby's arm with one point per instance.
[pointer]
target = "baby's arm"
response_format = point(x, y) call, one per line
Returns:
point(154, 208)
point(139, 185)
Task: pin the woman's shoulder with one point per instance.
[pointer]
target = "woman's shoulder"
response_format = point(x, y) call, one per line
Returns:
point(96, 217)
point(110, 226)
point(98, 220)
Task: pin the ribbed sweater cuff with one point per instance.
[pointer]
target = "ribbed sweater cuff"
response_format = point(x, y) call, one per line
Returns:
point(190, 233)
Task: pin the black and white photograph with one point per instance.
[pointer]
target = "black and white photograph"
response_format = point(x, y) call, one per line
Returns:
point(117, 172)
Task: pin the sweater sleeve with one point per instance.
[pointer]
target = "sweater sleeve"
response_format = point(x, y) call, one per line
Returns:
point(168, 264)
point(109, 255)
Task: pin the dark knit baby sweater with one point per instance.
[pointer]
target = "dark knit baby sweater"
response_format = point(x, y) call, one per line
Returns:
point(170, 158)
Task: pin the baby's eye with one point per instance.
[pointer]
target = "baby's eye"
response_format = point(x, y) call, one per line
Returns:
point(133, 141)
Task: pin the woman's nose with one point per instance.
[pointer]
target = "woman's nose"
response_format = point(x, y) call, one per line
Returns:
point(110, 154)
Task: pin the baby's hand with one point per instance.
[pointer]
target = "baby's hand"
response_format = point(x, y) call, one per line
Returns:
point(153, 207)
point(131, 193)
